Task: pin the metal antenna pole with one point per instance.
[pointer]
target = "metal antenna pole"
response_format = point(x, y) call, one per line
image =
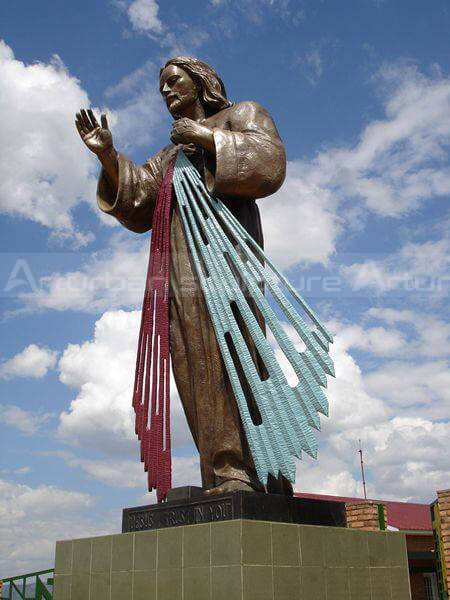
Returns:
point(362, 470)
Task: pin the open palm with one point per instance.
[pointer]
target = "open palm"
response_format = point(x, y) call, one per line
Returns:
point(97, 138)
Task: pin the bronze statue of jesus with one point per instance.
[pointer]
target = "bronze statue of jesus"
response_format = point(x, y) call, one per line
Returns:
point(238, 152)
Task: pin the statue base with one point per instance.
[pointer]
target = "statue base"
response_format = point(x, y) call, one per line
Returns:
point(236, 559)
point(188, 506)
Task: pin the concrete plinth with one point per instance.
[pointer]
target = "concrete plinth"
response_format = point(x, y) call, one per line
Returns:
point(235, 560)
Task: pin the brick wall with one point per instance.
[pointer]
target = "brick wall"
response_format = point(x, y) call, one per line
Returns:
point(364, 515)
point(443, 497)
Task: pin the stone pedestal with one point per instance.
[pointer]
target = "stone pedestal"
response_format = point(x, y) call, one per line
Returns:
point(237, 559)
point(188, 508)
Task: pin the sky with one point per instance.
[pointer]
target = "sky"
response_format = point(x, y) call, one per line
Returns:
point(360, 93)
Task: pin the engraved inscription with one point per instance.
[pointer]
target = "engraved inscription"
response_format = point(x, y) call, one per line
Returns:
point(141, 520)
point(177, 516)
point(159, 516)
point(199, 514)
point(220, 511)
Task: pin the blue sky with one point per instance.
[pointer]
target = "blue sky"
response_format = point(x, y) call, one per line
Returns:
point(360, 92)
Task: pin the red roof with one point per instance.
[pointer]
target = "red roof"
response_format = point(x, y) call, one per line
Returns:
point(403, 515)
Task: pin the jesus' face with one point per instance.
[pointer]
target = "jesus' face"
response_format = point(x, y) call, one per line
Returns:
point(178, 90)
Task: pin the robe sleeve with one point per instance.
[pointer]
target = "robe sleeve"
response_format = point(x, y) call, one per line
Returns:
point(250, 157)
point(134, 203)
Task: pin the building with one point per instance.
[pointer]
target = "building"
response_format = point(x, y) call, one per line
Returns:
point(411, 518)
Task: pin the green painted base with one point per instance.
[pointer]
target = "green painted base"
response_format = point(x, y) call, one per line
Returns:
point(235, 560)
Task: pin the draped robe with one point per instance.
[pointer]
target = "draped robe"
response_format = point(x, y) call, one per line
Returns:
point(250, 163)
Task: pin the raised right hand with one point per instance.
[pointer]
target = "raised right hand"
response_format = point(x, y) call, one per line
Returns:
point(97, 139)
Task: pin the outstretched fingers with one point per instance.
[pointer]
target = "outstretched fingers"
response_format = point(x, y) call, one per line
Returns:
point(79, 127)
point(104, 122)
point(93, 119)
point(79, 122)
point(86, 121)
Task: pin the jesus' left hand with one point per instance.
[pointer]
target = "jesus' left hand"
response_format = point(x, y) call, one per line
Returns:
point(187, 131)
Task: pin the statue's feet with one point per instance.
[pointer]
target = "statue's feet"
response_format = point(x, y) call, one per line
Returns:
point(232, 485)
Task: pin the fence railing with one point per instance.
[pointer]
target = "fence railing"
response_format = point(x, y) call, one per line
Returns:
point(28, 587)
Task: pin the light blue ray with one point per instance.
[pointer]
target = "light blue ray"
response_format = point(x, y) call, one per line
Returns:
point(288, 413)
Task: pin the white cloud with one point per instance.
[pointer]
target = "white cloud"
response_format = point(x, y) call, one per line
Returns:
point(312, 65)
point(398, 163)
point(350, 404)
point(130, 473)
point(299, 204)
point(51, 514)
point(409, 382)
point(376, 340)
point(102, 371)
point(140, 103)
point(22, 471)
point(420, 267)
point(416, 388)
point(46, 172)
point(406, 457)
point(143, 15)
point(181, 39)
point(255, 11)
point(115, 473)
point(186, 471)
point(23, 420)
point(33, 361)
point(131, 84)
point(334, 478)
point(19, 501)
point(184, 40)
point(431, 335)
point(113, 278)
point(378, 407)
point(399, 411)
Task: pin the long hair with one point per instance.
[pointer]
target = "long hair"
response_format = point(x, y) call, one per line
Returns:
point(212, 92)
